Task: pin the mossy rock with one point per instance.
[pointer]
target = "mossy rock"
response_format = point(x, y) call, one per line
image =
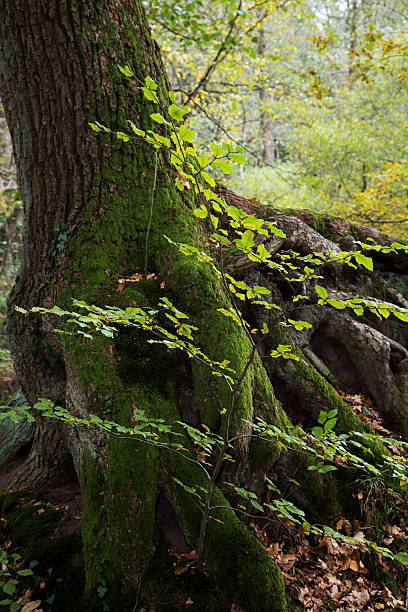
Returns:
point(31, 526)
point(29, 520)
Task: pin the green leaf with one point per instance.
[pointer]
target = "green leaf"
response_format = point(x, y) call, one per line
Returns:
point(306, 527)
point(58, 311)
point(122, 136)
point(177, 112)
point(19, 309)
point(179, 184)
point(321, 291)
point(275, 230)
point(246, 241)
point(403, 316)
point(221, 239)
point(402, 557)
point(300, 325)
point(25, 572)
point(98, 127)
point(367, 262)
point(209, 179)
point(238, 158)
point(317, 432)
point(224, 165)
point(216, 150)
point(158, 118)
point(136, 130)
point(230, 313)
point(162, 139)
point(101, 590)
point(330, 424)
point(150, 95)
point(10, 587)
point(257, 506)
point(262, 252)
point(336, 304)
point(107, 332)
point(201, 212)
point(150, 83)
point(326, 468)
point(185, 134)
point(126, 71)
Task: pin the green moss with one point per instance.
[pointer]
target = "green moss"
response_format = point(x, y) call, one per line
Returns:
point(58, 559)
point(165, 590)
point(26, 525)
point(61, 561)
point(9, 501)
point(120, 532)
point(317, 221)
point(267, 407)
point(313, 385)
point(92, 484)
point(313, 382)
point(236, 547)
point(120, 478)
point(234, 557)
point(293, 606)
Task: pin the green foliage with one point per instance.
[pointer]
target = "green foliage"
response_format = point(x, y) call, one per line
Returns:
point(315, 92)
point(167, 325)
point(46, 566)
point(197, 171)
point(12, 581)
point(325, 450)
point(274, 186)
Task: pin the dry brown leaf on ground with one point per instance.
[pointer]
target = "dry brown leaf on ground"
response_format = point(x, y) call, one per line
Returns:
point(31, 605)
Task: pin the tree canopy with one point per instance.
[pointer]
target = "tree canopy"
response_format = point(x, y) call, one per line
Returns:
point(324, 83)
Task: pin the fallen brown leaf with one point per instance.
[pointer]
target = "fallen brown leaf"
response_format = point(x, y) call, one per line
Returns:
point(31, 605)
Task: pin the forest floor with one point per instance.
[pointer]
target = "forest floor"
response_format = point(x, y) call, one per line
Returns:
point(326, 574)
point(321, 573)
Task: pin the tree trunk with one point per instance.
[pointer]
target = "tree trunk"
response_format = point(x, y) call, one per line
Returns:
point(352, 8)
point(266, 124)
point(88, 201)
point(87, 204)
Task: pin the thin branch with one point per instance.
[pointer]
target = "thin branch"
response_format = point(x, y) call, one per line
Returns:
point(151, 211)
point(218, 57)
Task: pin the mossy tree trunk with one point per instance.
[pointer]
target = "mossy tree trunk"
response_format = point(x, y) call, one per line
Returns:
point(88, 200)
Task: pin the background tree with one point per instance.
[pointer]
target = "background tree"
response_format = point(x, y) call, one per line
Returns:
point(334, 74)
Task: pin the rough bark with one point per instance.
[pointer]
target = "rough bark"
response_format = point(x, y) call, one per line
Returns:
point(341, 351)
point(87, 204)
point(15, 439)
